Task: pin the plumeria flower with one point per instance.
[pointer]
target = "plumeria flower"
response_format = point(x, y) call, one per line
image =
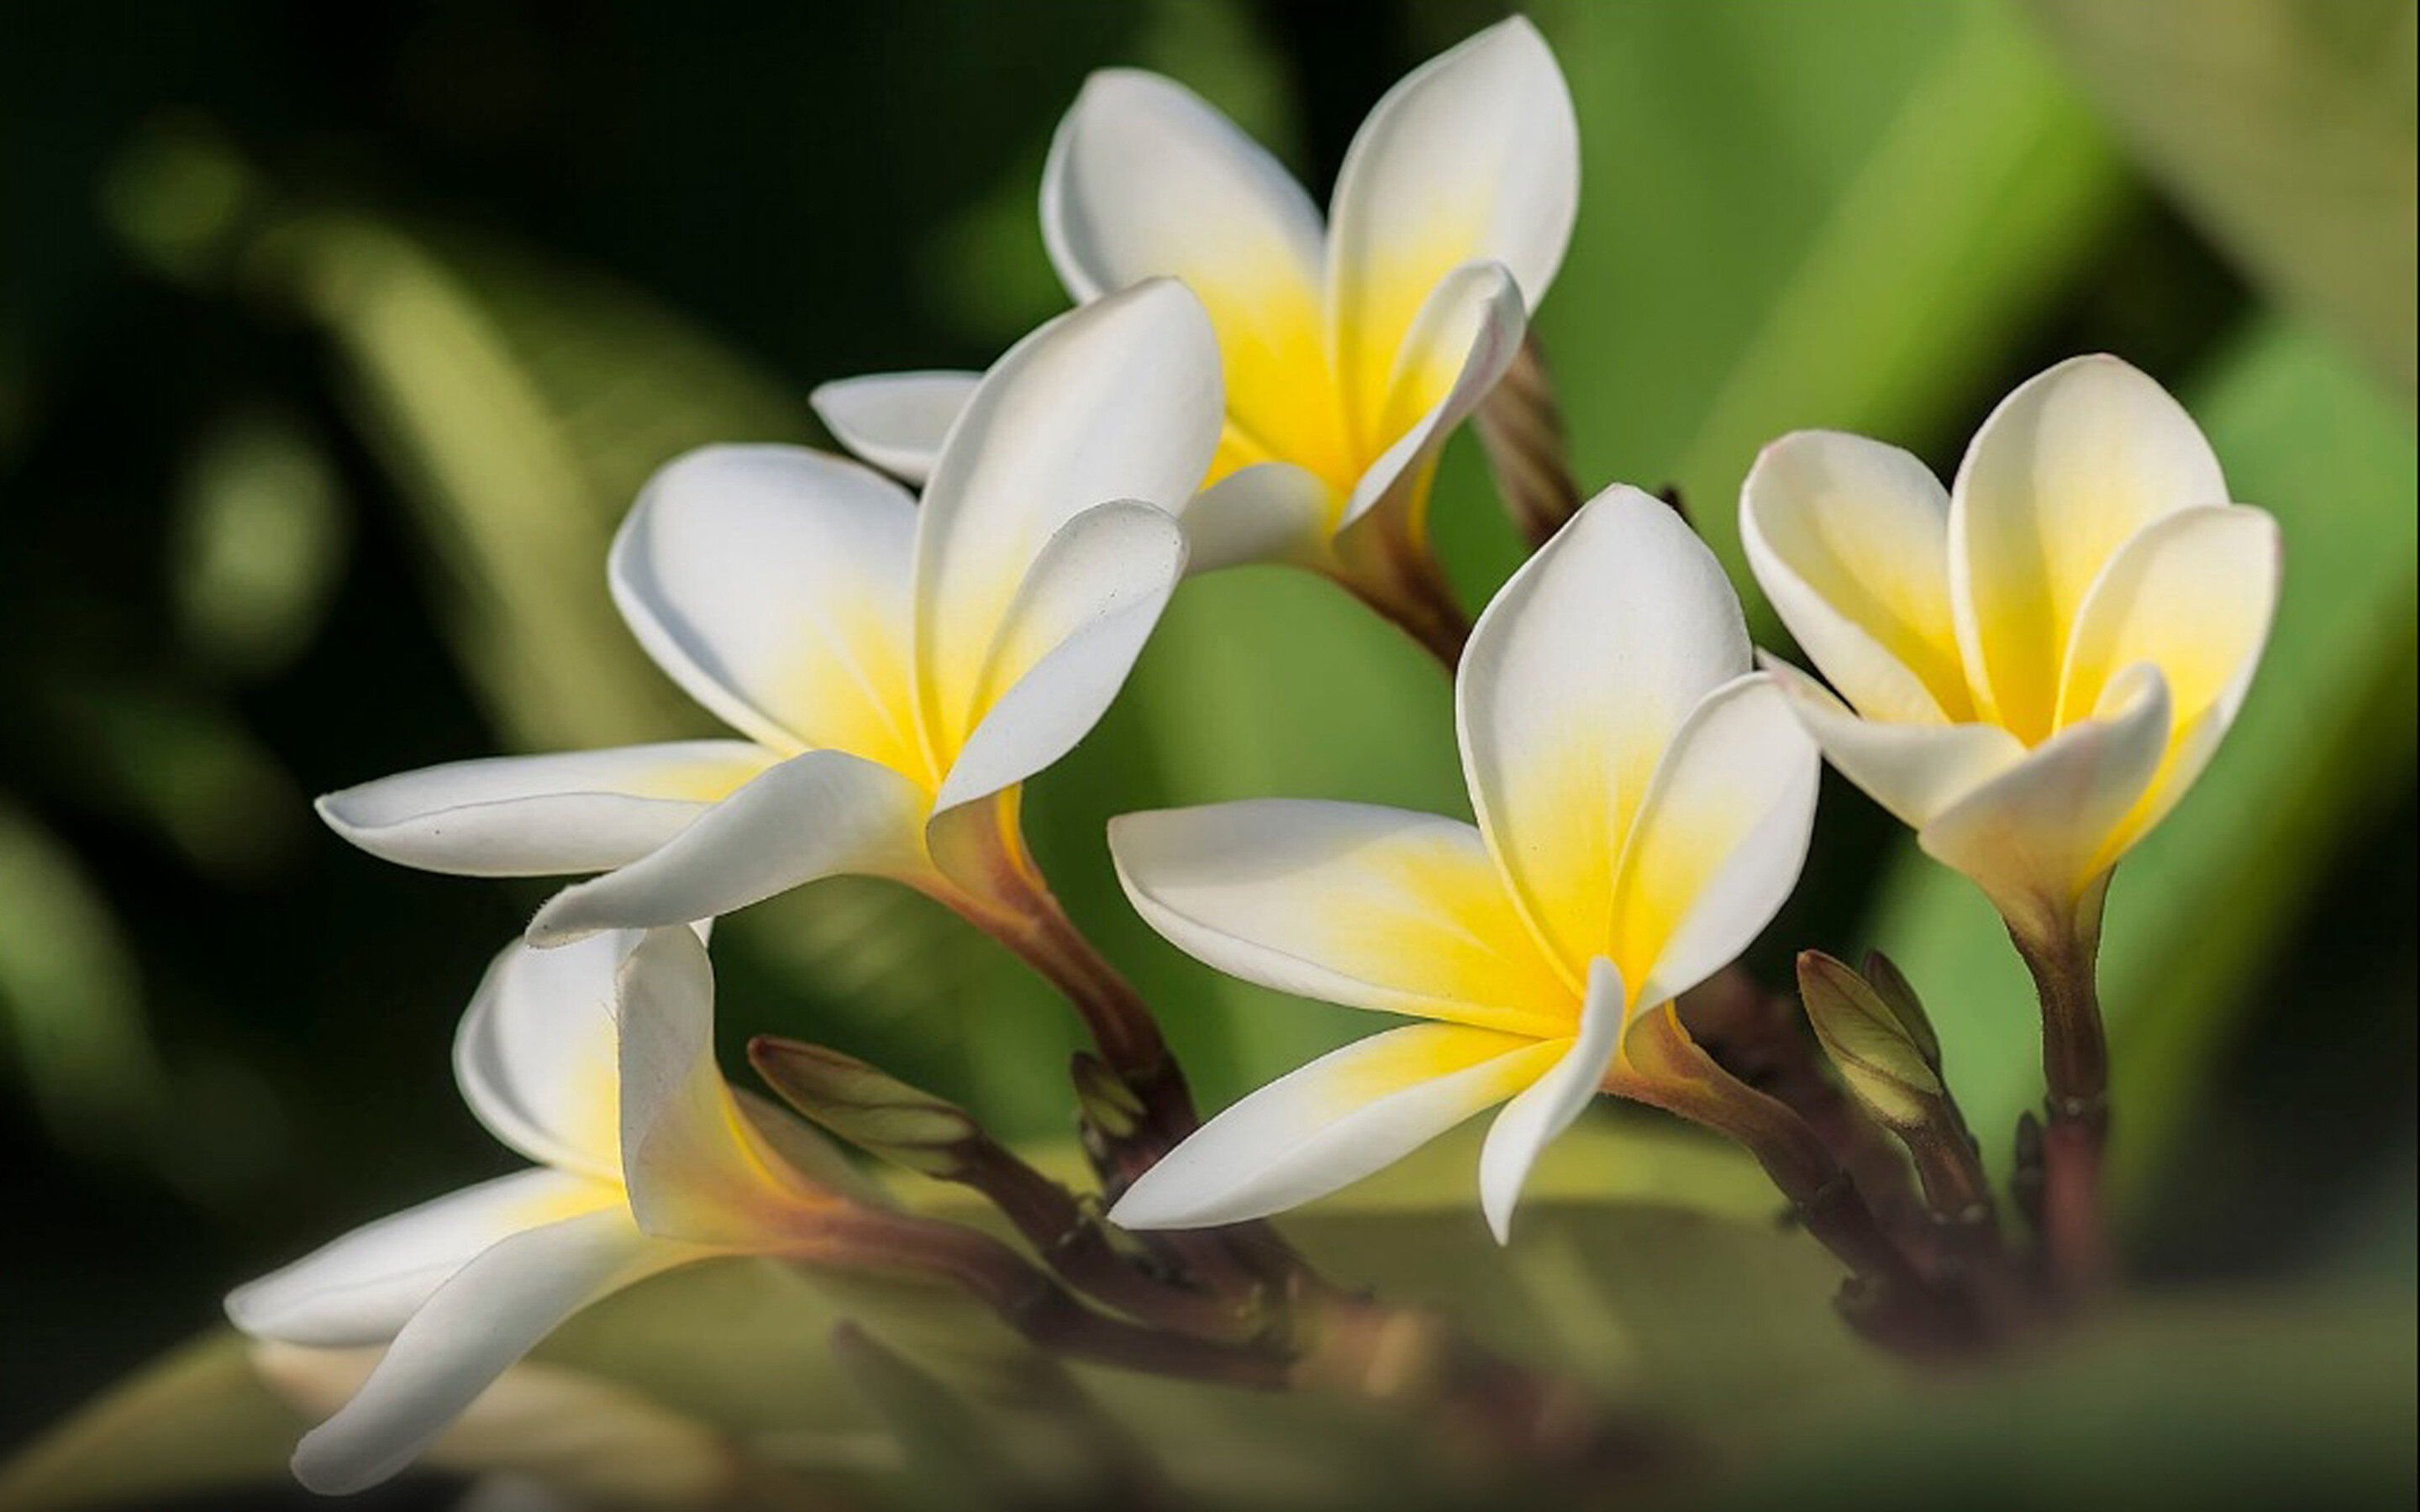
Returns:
point(897, 672)
point(1644, 802)
point(1352, 350)
point(2037, 663)
point(596, 1061)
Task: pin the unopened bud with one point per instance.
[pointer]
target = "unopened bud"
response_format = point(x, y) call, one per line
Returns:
point(1879, 1060)
point(1898, 993)
point(876, 1112)
point(1109, 1104)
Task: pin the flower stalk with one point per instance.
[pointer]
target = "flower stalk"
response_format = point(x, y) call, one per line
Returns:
point(1521, 426)
point(2062, 952)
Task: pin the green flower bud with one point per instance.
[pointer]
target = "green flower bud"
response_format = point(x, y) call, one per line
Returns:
point(875, 1112)
point(1881, 1060)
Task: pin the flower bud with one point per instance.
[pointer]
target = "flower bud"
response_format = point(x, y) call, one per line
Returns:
point(1898, 993)
point(1882, 1061)
point(875, 1112)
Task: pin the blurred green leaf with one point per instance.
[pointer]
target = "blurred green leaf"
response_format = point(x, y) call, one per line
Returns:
point(197, 1420)
point(69, 1000)
point(1800, 216)
point(261, 538)
point(2287, 127)
point(2326, 740)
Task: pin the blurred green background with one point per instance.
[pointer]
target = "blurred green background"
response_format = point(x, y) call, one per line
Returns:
point(333, 342)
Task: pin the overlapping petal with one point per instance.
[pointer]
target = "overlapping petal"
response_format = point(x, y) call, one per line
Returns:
point(2035, 836)
point(695, 1168)
point(362, 1287)
point(472, 1326)
point(535, 1054)
point(1067, 644)
point(528, 816)
point(825, 813)
point(771, 582)
point(1718, 842)
point(1349, 1113)
point(895, 421)
point(1850, 539)
point(1548, 1106)
point(1347, 902)
point(1474, 156)
point(1576, 679)
point(1461, 342)
point(1914, 770)
point(2068, 469)
point(1119, 399)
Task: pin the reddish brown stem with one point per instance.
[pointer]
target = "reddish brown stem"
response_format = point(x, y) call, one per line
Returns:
point(1521, 426)
point(2063, 954)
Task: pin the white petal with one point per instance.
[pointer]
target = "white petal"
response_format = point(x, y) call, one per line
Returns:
point(1530, 1122)
point(1914, 770)
point(1465, 335)
point(535, 1055)
point(2064, 472)
point(1575, 680)
point(533, 816)
point(1120, 399)
point(694, 1167)
point(1719, 839)
point(1850, 539)
point(363, 1287)
point(484, 1318)
point(1147, 179)
point(2193, 595)
point(1346, 1115)
point(771, 582)
point(1269, 512)
point(818, 815)
point(2037, 835)
point(1067, 644)
point(1474, 156)
point(1350, 903)
point(895, 421)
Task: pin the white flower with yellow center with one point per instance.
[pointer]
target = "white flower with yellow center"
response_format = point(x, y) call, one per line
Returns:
point(1353, 349)
point(1644, 802)
point(596, 1061)
point(892, 667)
point(2038, 662)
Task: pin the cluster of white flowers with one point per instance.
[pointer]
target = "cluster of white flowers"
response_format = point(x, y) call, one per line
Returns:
point(2031, 665)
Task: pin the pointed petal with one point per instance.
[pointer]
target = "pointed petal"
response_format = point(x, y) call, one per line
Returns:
point(533, 816)
point(1458, 345)
point(1473, 156)
point(1719, 839)
point(1117, 400)
point(1147, 180)
point(1575, 680)
point(821, 814)
point(2037, 835)
point(1068, 640)
point(535, 1057)
point(771, 582)
point(1347, 902)
point(695, 1168)
point(362, 1287)
point(1530, 1122)
point(2193, 595)
point(2064, 472)
point(1346, 1115)
point(1267, 512)
point(1914, 770)
point(895, 421)
point(487, 1316)
point(1850, 539)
